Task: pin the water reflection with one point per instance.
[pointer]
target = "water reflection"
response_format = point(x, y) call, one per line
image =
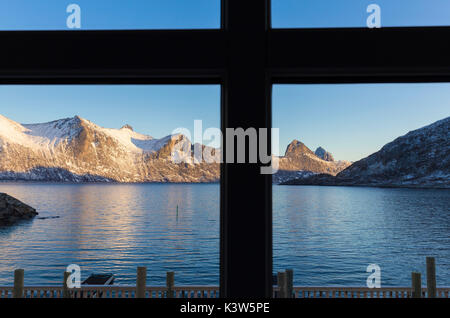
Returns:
point(115, 228)
point(328, 235)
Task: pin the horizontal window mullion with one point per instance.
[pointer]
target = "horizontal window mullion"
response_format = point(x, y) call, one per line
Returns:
point(167, 53)
point(349, 51)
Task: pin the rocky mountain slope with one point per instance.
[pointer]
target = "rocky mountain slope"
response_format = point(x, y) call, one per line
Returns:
point(420, 158)
point(299, 161)
point(77, 150)
point(323, 154)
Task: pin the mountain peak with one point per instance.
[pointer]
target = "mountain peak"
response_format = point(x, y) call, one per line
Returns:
point(323, 154)
point(126, 126)
point(296, 147)
point(295, 144)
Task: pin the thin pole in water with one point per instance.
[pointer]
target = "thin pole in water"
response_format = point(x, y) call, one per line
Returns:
point(177, 212)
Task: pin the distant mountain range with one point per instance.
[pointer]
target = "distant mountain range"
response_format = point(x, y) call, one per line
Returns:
point(77, 150)
point(420, 158)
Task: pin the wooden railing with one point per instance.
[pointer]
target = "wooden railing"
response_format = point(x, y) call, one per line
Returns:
point(114, 291)
point(213, 292)
point(363, 292)
point(284, 289)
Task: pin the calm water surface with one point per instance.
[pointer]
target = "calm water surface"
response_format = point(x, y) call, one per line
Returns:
point(328, 235)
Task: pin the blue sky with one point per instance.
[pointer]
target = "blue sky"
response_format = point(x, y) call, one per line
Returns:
point(353, 121)
point(353, 13)
point(155, 110)
point(172, 14)
point(110, 14)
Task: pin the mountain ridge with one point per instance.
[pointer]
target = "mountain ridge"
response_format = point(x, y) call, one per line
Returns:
point(77, 150)
point(420, 158)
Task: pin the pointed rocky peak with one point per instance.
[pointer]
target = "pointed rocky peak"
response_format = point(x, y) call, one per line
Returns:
point(173, 143)
point(127, 127)
point(323, 154)
point(296, 148)
point(65, 124)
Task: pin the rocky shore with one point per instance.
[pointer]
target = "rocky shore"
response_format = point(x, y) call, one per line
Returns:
point(13, 210)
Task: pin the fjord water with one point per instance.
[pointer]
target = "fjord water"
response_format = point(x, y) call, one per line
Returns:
point(328, 235)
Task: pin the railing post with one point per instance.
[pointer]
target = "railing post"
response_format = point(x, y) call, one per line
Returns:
point(416, 285)
point(281, 285)
point(18, 283)
point(141, 281)
point(431, 277)
point(170, 282)
point(66, 292)
point(289, 283)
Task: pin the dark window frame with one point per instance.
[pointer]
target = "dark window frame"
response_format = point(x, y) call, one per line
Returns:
point(246, 57)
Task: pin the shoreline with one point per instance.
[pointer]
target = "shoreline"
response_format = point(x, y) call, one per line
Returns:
point(372, 186)
point(25, 182)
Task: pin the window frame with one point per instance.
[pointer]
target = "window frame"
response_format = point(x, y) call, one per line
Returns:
point(246, 57)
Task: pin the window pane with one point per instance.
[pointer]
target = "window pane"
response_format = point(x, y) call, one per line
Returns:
point(353, 13)
point(108, 15)
point(97, 163)
point(369, 174)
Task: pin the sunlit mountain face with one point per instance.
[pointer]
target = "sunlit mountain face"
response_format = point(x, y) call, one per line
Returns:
point(77, 150)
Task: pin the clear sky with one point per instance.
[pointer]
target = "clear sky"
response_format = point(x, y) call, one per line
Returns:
point(110, 14)
point(155, 110)
point(353, 121)
point(353, 13)
point(172, 14)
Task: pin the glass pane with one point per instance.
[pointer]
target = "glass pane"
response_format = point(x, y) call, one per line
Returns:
point(97, 163)
point(353, 13)
point(109, 15)
point(364, 179)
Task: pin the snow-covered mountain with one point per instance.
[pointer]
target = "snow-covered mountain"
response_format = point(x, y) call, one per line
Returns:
point(421, 158)
point(77, 150)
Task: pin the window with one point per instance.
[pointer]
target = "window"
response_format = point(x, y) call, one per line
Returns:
point(246, 57)
point(380, 200)
point(95, 161)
